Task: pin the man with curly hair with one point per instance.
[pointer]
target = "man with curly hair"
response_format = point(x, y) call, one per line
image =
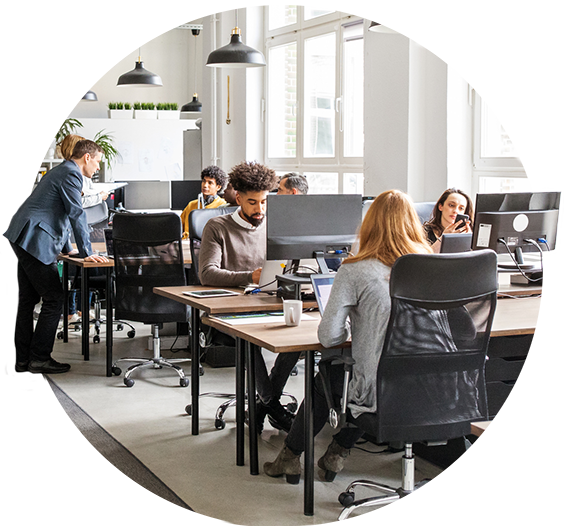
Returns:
point(232, 254)
point(214, 180)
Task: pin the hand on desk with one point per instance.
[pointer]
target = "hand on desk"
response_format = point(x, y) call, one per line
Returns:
point(256, 275)
point(73, 252)
point(96, 259)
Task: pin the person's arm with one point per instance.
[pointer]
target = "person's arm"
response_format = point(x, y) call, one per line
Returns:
point(71, 190)
point(210, 261)
point(335, 327)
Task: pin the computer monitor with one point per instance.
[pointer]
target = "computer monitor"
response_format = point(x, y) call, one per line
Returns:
point(306, 226)
point(182, 192)
point(504, 223)
point(147, 195)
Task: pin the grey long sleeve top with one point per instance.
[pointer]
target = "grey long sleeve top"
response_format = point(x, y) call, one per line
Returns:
point(359, 306)
point(230, 252)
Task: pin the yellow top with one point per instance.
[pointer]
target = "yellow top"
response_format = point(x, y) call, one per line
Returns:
point(193, 205)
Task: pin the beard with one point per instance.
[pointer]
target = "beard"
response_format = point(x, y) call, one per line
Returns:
point(253, 220)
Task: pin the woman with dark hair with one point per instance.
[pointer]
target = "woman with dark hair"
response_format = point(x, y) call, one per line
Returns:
point(443, 218)
point(358, 307)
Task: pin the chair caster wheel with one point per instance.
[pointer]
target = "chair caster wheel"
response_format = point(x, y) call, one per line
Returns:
point(128, 382)
point(96, 339)
point(116, 371)
point(346, 498)
point(219, 424)
point(60, 335)
point(188, 409)
point(184, 382)
point(201, 372)
point(294, 371)
point(131, 334)
point(119, 327)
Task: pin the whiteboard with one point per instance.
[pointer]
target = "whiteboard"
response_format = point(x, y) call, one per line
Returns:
point(149, 150)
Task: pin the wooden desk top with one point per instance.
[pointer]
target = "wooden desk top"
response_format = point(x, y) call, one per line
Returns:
point(515, 316)
point(226, 304)
point(276, 337)
point(519, 429)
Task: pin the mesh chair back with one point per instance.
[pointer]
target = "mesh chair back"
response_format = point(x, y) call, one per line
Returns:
point(147, 254)
point(196, 222)
point(431, 379)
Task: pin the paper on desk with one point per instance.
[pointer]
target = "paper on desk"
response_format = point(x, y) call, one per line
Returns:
point(107, 187)
point(249, 319)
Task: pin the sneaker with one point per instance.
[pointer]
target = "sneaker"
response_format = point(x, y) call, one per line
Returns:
point(278, 416)
point(49, 366)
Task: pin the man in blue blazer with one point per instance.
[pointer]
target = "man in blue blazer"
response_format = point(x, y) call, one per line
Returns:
point(38, 232)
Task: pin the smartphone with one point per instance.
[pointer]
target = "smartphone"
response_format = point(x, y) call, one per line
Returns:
point(460, 217)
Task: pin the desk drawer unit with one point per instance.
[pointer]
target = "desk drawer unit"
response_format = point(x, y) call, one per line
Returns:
point(525, 377)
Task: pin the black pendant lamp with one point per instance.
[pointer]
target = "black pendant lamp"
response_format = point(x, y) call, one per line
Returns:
point(140, 77)
point(236, 54)
point(195, 104)
point(90, 95)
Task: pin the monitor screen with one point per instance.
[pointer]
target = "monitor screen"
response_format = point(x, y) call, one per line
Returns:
point(182, 192)
point(147, 195)
point(504, 222)
point(300, 225)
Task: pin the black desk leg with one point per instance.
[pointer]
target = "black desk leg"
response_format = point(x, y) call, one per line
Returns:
point(195, 370)
point(109, 322)
point(240, 401)
point(85, 322)
point(66, 302)
point(252, 404)
point(308, 409)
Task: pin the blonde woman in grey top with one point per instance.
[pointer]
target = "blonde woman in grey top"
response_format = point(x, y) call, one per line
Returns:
point(359, 308)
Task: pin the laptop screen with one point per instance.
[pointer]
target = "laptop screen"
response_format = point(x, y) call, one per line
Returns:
point(108, 236)
point(322, 284)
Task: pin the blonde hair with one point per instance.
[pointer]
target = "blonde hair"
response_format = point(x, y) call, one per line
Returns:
point(390, 229)
point(68, 144)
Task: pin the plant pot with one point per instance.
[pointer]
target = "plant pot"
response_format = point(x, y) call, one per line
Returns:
point(145, 114)
point(169, 114)
point(120, 114)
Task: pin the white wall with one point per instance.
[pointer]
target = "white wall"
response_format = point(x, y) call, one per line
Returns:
point(91, 46)
point(517, 46)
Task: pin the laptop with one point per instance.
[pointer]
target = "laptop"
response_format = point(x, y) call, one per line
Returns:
point(322, 284)
point(456, 243)
point(268, 274)
point(109, 239)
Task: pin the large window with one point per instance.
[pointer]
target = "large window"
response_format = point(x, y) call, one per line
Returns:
point(515, 132)
point(315, 96)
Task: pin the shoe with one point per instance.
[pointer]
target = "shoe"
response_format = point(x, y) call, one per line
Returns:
point(332, 461)
point(279, 416)
point(49, 366)
point(74, 318)
point(21, 367)
point(286, 463)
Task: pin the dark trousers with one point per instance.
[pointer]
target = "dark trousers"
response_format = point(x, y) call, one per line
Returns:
point(270, 386)
point(36, 281)
point(346, 437)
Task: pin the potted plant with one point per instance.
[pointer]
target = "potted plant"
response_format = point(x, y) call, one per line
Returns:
point(105, 141)
point(144, 110)
point(168, 110)
point(120, 110)
point(68, 127)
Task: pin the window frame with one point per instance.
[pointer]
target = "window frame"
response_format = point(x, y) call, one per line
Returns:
point(299, 32)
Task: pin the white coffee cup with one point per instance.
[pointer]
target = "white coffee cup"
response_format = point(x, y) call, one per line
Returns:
point(293, 312)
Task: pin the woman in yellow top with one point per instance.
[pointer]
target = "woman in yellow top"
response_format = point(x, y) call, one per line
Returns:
point(214, 180)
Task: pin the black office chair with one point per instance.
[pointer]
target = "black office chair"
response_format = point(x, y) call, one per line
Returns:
point(431, 379)
point(196, 222)
point(147, 254)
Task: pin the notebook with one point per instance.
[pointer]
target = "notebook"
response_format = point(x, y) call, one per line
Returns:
point(456, 243)
point(322, 284)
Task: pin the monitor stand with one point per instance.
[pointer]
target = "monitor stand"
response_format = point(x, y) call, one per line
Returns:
point(290, 284)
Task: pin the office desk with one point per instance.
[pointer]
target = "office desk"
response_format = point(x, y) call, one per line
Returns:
point(277, 338)
point(85, 304)
point(223, 305)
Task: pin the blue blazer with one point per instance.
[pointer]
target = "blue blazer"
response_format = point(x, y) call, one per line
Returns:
point(41, 226)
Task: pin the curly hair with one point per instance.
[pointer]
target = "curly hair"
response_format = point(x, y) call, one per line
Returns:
point(215, 172)
point(252, 177)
